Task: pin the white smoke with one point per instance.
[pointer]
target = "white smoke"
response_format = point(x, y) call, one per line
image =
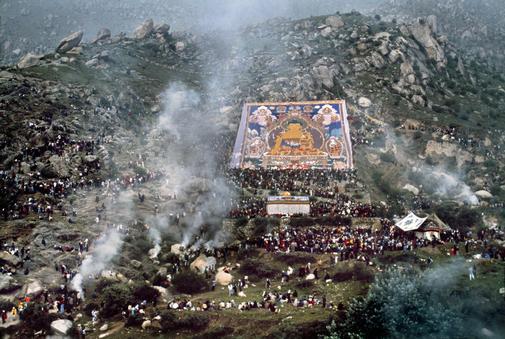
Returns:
point(450, 186)
point(437, 180)
point(105, 248)
point(192, 144)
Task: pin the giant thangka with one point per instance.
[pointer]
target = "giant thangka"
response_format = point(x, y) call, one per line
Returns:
point(289, 135)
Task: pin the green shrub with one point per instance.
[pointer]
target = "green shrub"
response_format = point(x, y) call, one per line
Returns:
point(363, 273)
point(333, 221)
point(458, 217)
point(251, 252)
point(342, 276)
point(255, 268)
point(304, 284)
point(134, 320)
point(301, 221)
point(260, 226)
point(241, 222)
point(404, 304)
point(89, 307)
point(172, 321)
point(189, 282)
point(115, 299)
point(216, 332)
point(293, 259)
point(168, 257)
point(388, 157)
point(146, 292)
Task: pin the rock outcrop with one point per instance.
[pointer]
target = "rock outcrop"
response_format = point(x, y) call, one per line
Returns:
point(334, 22)
point(203, 263)
point(103, 34)
point(8, 259)
point(61, 326)
point(423, 34)
point(8, 284)
point(29, 60)
point(144, 30)
point(223, 278)
point(69, 42)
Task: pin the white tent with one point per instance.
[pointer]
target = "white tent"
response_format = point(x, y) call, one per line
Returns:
point(410, 223)
point(428, 227)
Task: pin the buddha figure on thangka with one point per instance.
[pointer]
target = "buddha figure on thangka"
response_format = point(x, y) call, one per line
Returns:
point(288, 135)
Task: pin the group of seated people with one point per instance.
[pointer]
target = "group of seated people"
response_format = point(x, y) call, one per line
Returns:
point(270, 300)
point(290, 179)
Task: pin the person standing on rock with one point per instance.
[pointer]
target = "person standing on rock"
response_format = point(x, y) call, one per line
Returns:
point(4, 316)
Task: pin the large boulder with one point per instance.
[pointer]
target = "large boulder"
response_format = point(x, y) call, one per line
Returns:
point(448, 150)
point(146, 324)
point(418, 100)
point(69, 42)
point(432, 22)
point(103, 34)
point(422, 33)
point(406, 68)
point(364, 102)
point(135, 263)
point(223, 278)
point(177, 249)
point(377, 60)
point(9, 259)
point(29, 60)
point(180, 46)
point(8, 283)
point(334, 21)
point(61, 326)
point(202, 263)
point(57, 168)
point(395, 55)
point(324, 75)
point(163, 292)
point(483, 194)
point(414, 190)
point(326, 31)
point(161, 28)
point(33, 288)
point(144, 30)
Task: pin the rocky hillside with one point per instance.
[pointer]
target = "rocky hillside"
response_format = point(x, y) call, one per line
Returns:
point(415, 102)
point(37, 26)
point(106, 135)
point(476, 27)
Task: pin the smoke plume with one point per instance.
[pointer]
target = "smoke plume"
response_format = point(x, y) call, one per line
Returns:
point(105, 248)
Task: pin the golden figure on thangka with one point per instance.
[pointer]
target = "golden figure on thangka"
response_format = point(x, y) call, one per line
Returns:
point(293, 135)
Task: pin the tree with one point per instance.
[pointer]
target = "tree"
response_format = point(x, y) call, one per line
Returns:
point(399, 304)
point(189, 282)
point(146, 292)
point(115, 299)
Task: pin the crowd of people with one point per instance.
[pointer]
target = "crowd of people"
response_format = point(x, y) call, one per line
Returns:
point(22, 198)
point(336, 205)
point(289, 180)
point(345, 242)
point(342, 205)
point(270, 300)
